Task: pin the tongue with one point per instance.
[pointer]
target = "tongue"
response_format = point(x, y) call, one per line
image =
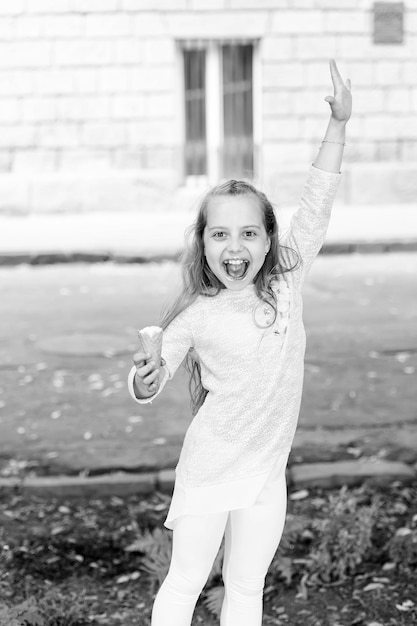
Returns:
point(236, 271)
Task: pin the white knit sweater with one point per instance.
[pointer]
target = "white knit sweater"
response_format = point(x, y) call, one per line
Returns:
point(253, 375)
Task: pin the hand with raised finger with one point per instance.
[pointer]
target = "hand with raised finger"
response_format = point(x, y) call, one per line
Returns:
point(341, 102)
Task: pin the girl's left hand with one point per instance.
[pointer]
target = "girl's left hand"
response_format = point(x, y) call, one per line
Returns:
point(341, 101)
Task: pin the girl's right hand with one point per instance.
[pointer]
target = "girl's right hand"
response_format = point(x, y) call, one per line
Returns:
point(147, 374)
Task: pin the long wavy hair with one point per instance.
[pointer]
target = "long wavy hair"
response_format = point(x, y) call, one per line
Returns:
point(198, 278)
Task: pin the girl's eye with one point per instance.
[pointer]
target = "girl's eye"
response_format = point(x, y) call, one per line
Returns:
point(250, 232)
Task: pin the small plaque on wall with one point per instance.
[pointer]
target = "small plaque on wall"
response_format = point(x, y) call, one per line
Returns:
point(388, 22)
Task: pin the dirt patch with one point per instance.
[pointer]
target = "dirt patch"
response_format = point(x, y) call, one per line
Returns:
point(88, 560)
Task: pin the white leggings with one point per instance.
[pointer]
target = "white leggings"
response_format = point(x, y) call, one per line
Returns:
point(252, 536)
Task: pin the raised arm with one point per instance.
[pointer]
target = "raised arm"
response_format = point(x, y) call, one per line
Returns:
point(309, 223)
point(330, 154)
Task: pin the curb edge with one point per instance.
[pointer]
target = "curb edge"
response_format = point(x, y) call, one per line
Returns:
point(104, 256)
point(300, 476)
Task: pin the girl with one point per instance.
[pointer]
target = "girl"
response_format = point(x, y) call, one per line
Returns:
point(238, 322)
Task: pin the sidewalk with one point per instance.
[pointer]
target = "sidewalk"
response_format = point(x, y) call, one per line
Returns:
point(145, 236)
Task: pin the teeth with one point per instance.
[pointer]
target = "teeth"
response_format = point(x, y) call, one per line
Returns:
point(235, 261)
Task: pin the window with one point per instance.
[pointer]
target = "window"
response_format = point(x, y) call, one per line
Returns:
point(237, 111)
point(218, 109)
point(195, 112)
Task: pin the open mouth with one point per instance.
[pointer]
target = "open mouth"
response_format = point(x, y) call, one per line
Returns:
point(236, 269)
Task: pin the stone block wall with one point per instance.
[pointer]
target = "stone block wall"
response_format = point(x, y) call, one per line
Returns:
point(90, 103)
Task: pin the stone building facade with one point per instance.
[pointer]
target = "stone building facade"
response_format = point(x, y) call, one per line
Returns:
point(96, 99)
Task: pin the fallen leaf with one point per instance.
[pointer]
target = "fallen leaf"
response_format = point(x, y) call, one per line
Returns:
point(354, 451)
point(26, 380)
point(307, 535)
point(135, 419)
point(302, 591)
point(58, 379)
point(314, 369)
point(387, 567)
point(407, 605)
point(299, 495)
point(159, 441)
point(402, 532)
point(52, 559)
point(96, 386)
point(378, 579)
point(373, 587)
point(125, 578)
point(159, 507)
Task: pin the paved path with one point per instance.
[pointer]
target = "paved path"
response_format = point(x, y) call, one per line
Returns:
point(63, 402)
point(66, 345)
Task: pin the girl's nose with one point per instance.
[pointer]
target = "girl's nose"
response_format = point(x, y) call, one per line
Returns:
point(235, 245)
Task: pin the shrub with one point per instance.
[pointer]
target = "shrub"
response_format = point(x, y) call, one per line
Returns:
point(345, 536)
point(156, 546)
point(402, 547)
point(25, 614)
point(53, 609)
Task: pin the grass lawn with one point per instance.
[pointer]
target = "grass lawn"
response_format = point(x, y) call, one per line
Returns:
point(347, 558)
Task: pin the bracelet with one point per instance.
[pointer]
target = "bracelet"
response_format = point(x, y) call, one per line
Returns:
point(328, 141)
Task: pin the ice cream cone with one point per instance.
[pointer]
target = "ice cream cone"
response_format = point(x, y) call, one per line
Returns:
point(150, 338)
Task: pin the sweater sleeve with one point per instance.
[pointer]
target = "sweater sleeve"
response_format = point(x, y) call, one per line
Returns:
point(309, 223)
point(177, 339)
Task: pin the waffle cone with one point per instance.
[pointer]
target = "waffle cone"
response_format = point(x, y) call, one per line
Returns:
point(150, 338)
